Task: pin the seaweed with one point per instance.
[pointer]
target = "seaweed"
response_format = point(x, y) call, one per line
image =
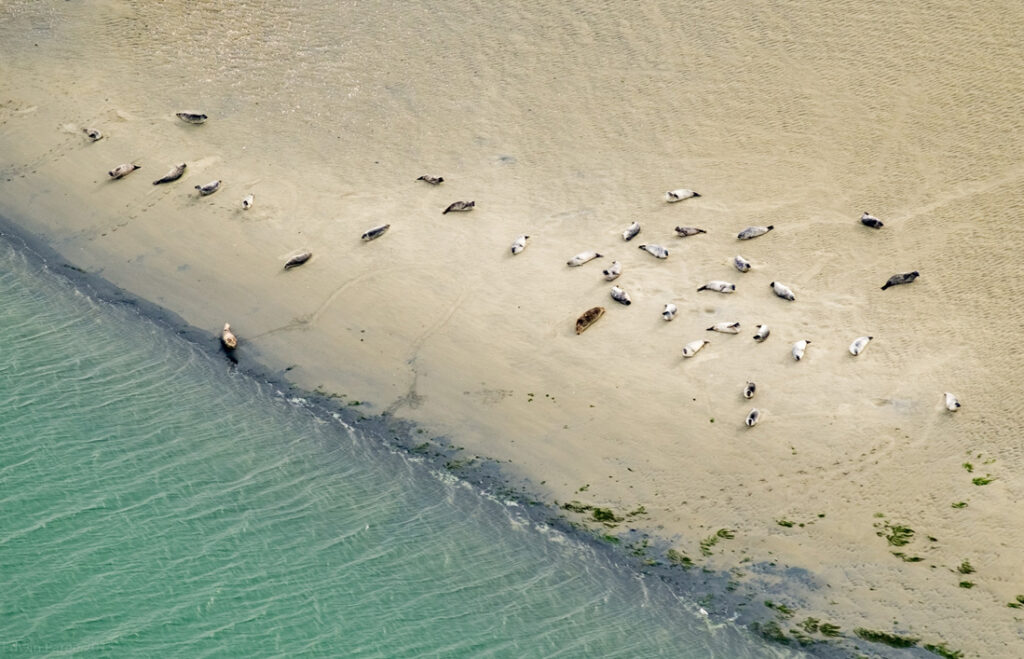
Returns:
point(781, 610)
point(943, 651)
point(885, 638)
point(965, 567)
point(982, 480)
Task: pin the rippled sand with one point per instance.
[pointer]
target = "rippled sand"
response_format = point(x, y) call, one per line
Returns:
point(568, 124)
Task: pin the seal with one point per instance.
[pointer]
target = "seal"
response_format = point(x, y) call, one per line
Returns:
point(519, 244)
point(172, 175)
point(670, 311)
point(869, 220)
point(762, 333)
point(228, 338)
point(588, 318)
point(748, 391)
point(459, 206)
point(655, 250)
point(631, 231)
point(753, 417)
point(191, 117)
point(741, 263)
point(693, 347)
point(798, 349)
point(613, 271)
point(247, 202)
point(209, 188)
point(859, 344)
point(719, 286)
point(686, 232)
point(582, 258)
point(123, 170)
point(93, 134)
point(782, 291)
point(680, 194)
point(754, 232)
point(298, 260)
point(432, 180)
point(904, 278)
point(621, 296)
point(375, 232)
point(952, 404)
point(725, 328)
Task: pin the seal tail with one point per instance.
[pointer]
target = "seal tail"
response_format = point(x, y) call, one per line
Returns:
point(702, 288)
point(697, 194)
point(886, 286)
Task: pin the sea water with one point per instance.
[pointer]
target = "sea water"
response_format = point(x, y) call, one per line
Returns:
point(156, 501)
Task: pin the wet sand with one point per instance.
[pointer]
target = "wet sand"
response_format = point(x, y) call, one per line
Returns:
point(573, 129)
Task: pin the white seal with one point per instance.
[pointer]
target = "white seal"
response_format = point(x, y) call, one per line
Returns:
point(519, 244)
point(725, 328)
point(680, 194)
point(782, 291)
point(209, 188)
point(375, 232)
point(93, 134)
point(719, 286)
point(869, 220)
point(754, 232)
point(859, 344)
point(247, 202)
point(582, 258)
point(670, 311)
point(686, 232)
point(753, 417)
point(741, 263)
point(621, 296)
point(631, 231)
point(123, 170)
point(655, 250)
point(613, 271)
point(691, 348)
point(748, 391)
point(762, 333)
point(952, 404)
point(798, 349)
point(228, 338)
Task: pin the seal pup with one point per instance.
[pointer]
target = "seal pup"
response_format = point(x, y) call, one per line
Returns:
point(298, 260)
point(725, 328)
point(895, 280)
point(588, 318)
point(754, 232)
point(869, 220)
point(798, 349)
point(172, 175)
point(952, 404)
point(621, 296)
point(375, 232)
point(432, 180)
point(459, 206)
point(719, 286)
point(228, 338)
point(748, 391)
point(631, 231)
point(191, 117)
point(686, 232)
point(753, 417)
point(693, 347)
point(762, 333)
point(519, 244)
point(859, 344)
point(93, 134)
point(582, 258)
point(613, 271)
point(655, 250)
point(741, 263)
point(782, 291)
point(248, 201)
point(209, 188)
point(680, 194)
point(670, 311)
point(123, 170)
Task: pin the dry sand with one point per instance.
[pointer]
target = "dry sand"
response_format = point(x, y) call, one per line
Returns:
point(567, 126)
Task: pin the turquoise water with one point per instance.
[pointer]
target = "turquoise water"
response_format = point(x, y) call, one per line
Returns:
point(156, 502)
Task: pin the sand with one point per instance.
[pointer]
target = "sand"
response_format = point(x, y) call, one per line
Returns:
point(567, 126)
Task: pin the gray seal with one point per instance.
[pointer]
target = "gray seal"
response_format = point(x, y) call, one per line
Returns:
point(869, 220)
point(191, 117)
point(298, 260)
point(621, 296)
point(904, 278)
point(754, 232)
point(375, 232)
point(432, 180)
point(686, 232)
point(123, 170)
point(459, 206)
point(172, 175)
point(209, 188)
point(631, 231)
